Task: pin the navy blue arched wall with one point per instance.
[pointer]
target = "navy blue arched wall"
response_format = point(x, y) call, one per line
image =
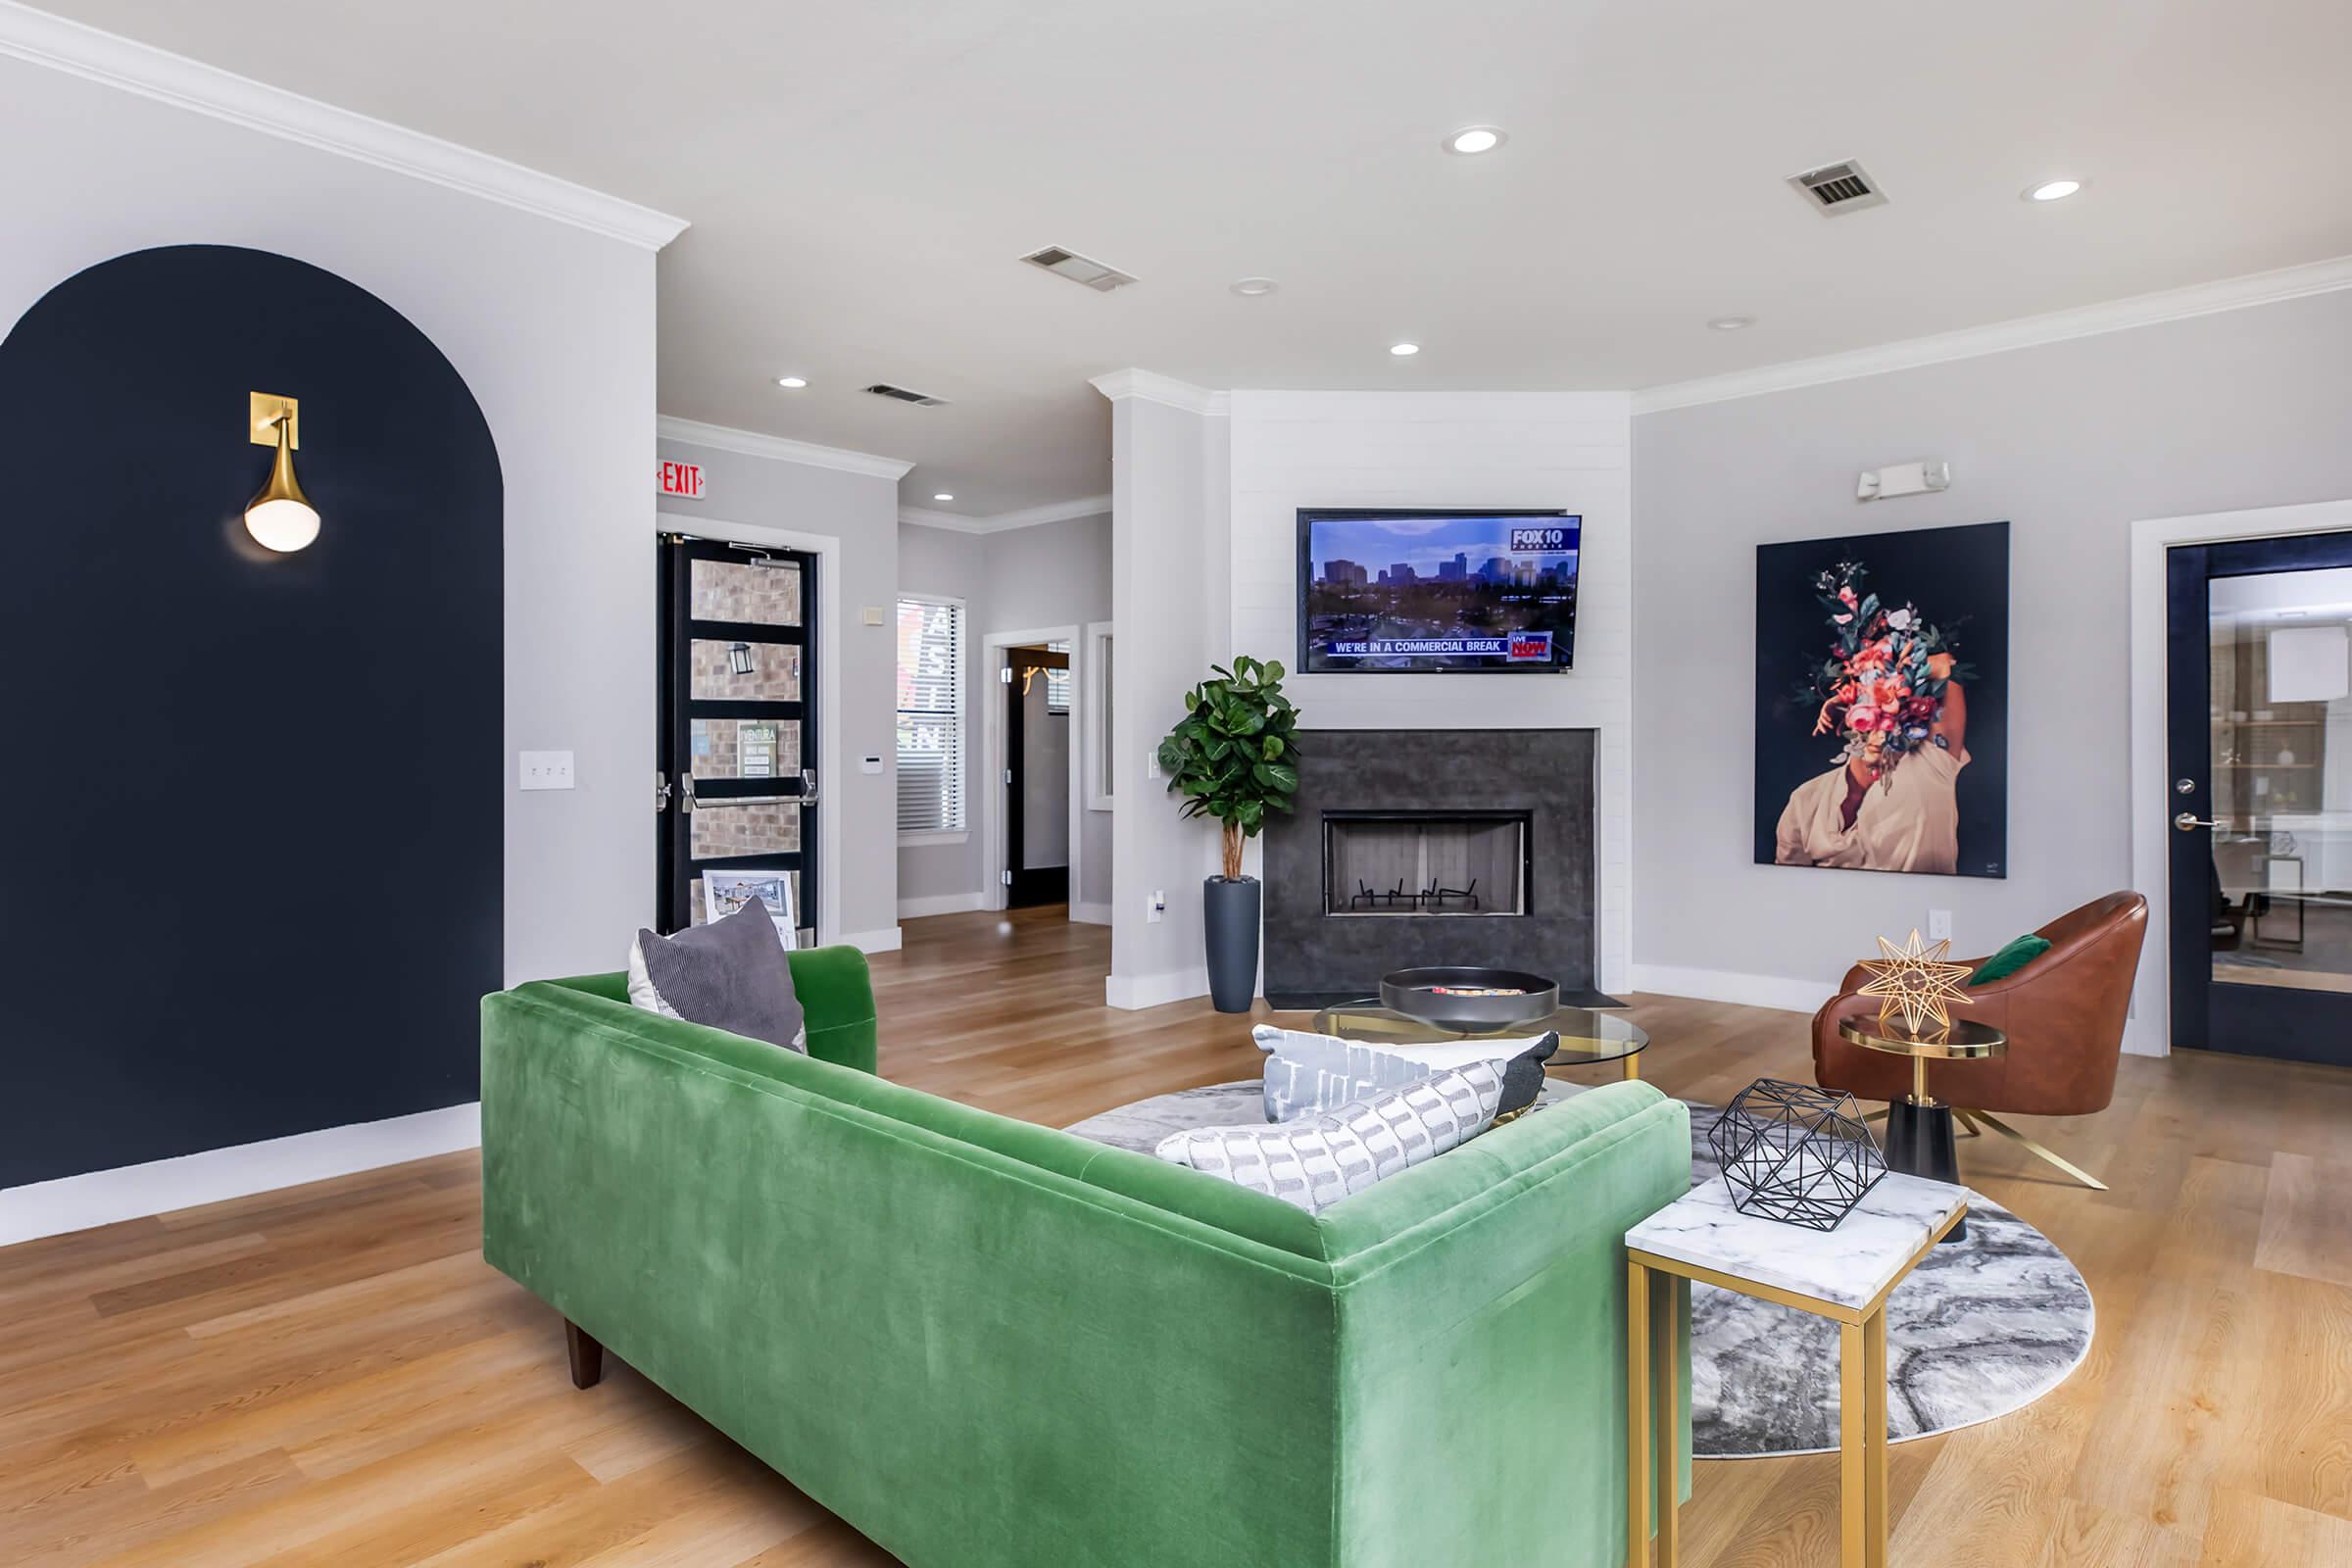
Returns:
point(250, 875)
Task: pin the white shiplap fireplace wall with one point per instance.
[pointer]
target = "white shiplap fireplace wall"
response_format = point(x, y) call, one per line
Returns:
point(1506, 450)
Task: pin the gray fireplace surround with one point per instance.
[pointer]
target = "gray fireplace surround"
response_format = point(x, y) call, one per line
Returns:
point(1431, 809)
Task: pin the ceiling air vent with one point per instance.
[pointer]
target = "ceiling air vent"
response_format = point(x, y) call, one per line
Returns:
point(1836, 188)
point(921, 400)
point(1078, 268)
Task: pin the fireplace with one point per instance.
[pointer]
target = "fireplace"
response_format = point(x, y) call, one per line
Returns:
point(1394, 864)
point(1409, 847)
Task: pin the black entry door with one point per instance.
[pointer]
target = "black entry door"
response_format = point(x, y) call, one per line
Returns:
point(1037, 855)
point(738, 734)
point(2259, 672)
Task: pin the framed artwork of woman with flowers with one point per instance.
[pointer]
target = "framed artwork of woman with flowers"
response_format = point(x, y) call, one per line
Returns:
point(1882, 701)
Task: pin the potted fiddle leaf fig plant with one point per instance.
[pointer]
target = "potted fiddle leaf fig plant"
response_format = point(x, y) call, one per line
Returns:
point(1234, 757)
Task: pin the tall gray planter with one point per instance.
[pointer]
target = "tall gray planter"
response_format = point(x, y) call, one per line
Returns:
point(1229, 919)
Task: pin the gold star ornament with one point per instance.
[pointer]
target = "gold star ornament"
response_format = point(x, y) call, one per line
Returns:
point(1915, 982)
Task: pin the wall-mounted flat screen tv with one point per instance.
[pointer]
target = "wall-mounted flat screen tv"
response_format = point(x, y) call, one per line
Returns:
point(1392, 592)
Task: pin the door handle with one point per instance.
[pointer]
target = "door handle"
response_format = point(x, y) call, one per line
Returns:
point(2190, 821)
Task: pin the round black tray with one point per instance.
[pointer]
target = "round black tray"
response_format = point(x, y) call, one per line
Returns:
point(1407, 991)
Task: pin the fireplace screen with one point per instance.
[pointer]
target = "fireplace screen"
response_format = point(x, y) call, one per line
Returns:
point(1383, 864)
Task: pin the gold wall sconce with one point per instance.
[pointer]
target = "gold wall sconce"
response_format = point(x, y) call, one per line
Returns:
point(280, 517)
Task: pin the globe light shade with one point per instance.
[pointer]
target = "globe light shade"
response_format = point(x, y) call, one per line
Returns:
point(281, 525)
point(280, 517)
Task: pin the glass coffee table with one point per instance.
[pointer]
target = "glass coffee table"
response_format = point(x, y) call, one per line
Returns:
point(1586, 1036)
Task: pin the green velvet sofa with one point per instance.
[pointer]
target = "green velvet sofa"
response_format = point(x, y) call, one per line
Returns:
point(984, 1343)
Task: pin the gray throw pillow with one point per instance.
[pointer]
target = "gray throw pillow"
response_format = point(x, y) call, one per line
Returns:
point(1308, 1073)
point(1316, 1160)
point(730, 974)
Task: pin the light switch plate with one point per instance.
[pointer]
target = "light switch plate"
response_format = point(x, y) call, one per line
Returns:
point(546, 770)
point(869, 764)
point(1940, 925)
point(874, 615)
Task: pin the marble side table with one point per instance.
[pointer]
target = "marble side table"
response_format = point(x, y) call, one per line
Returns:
point(1845, 1275)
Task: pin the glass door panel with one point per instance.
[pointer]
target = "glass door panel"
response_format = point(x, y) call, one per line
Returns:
point(737, 589)
point(2279, 718)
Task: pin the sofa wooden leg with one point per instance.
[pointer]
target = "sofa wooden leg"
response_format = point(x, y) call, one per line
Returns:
point(587, 1355)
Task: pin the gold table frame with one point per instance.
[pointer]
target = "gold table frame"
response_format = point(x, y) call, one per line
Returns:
point(1657, 1292)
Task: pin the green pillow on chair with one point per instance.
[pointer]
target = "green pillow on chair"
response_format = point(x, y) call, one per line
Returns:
point(2011, 958)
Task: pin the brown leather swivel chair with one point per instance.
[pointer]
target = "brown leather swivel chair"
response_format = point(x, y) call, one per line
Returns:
point(2063, 1013)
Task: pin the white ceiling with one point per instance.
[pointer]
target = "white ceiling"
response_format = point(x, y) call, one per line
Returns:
point(860, 178)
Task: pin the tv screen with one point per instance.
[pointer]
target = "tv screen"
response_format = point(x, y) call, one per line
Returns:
point(1402, 591)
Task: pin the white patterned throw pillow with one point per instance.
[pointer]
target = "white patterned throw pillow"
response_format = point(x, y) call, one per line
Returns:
point(1308, 1072)
point(1314, 1161)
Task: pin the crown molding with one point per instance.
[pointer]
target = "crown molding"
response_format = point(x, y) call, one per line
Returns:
point(1007, 522)
point(2000, 337)
point(752, 444)
point(1155, 388)
point(118, 61)
point(1051, 511)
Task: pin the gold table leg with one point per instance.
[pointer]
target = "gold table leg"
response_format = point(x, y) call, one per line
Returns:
point(1862, 1442)
point(1633, 1065)
point(1666, 1299)
point(1873, 1434)
point(2039, 1152)
point(1853, 1525)
point(1636, 1414)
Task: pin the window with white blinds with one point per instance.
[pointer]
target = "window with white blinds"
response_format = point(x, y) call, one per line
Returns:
point(1057, 681)
point(930, 715)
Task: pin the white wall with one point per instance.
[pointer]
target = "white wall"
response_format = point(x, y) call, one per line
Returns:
point(1050, 574)
point(1452, 449)
point(2070, 442)
point(552, 328)
point(859, 515)
point(1169, 579)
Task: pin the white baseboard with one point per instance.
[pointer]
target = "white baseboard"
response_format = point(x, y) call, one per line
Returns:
point(1131, 992)
point(130, 1192)
point(1090, 913)
point(1726, 985)
point(923, 908)
point(886, 940)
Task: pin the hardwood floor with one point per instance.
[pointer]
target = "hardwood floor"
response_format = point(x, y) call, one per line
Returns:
point(331, 1375)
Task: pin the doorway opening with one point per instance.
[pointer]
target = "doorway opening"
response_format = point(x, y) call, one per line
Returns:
point(1038, 690)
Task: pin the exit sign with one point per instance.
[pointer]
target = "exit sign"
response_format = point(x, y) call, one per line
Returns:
point(682, 479)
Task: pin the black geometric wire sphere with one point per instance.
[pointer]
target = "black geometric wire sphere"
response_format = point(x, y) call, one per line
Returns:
point(1797, 1154)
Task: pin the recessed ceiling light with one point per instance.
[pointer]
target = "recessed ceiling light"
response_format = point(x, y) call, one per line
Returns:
point(1732, 324)
point(1252, 287)
point(1473, 139)
point(943, 496)
point(790, 380)
point(1402, 350)
point(2053, 190)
